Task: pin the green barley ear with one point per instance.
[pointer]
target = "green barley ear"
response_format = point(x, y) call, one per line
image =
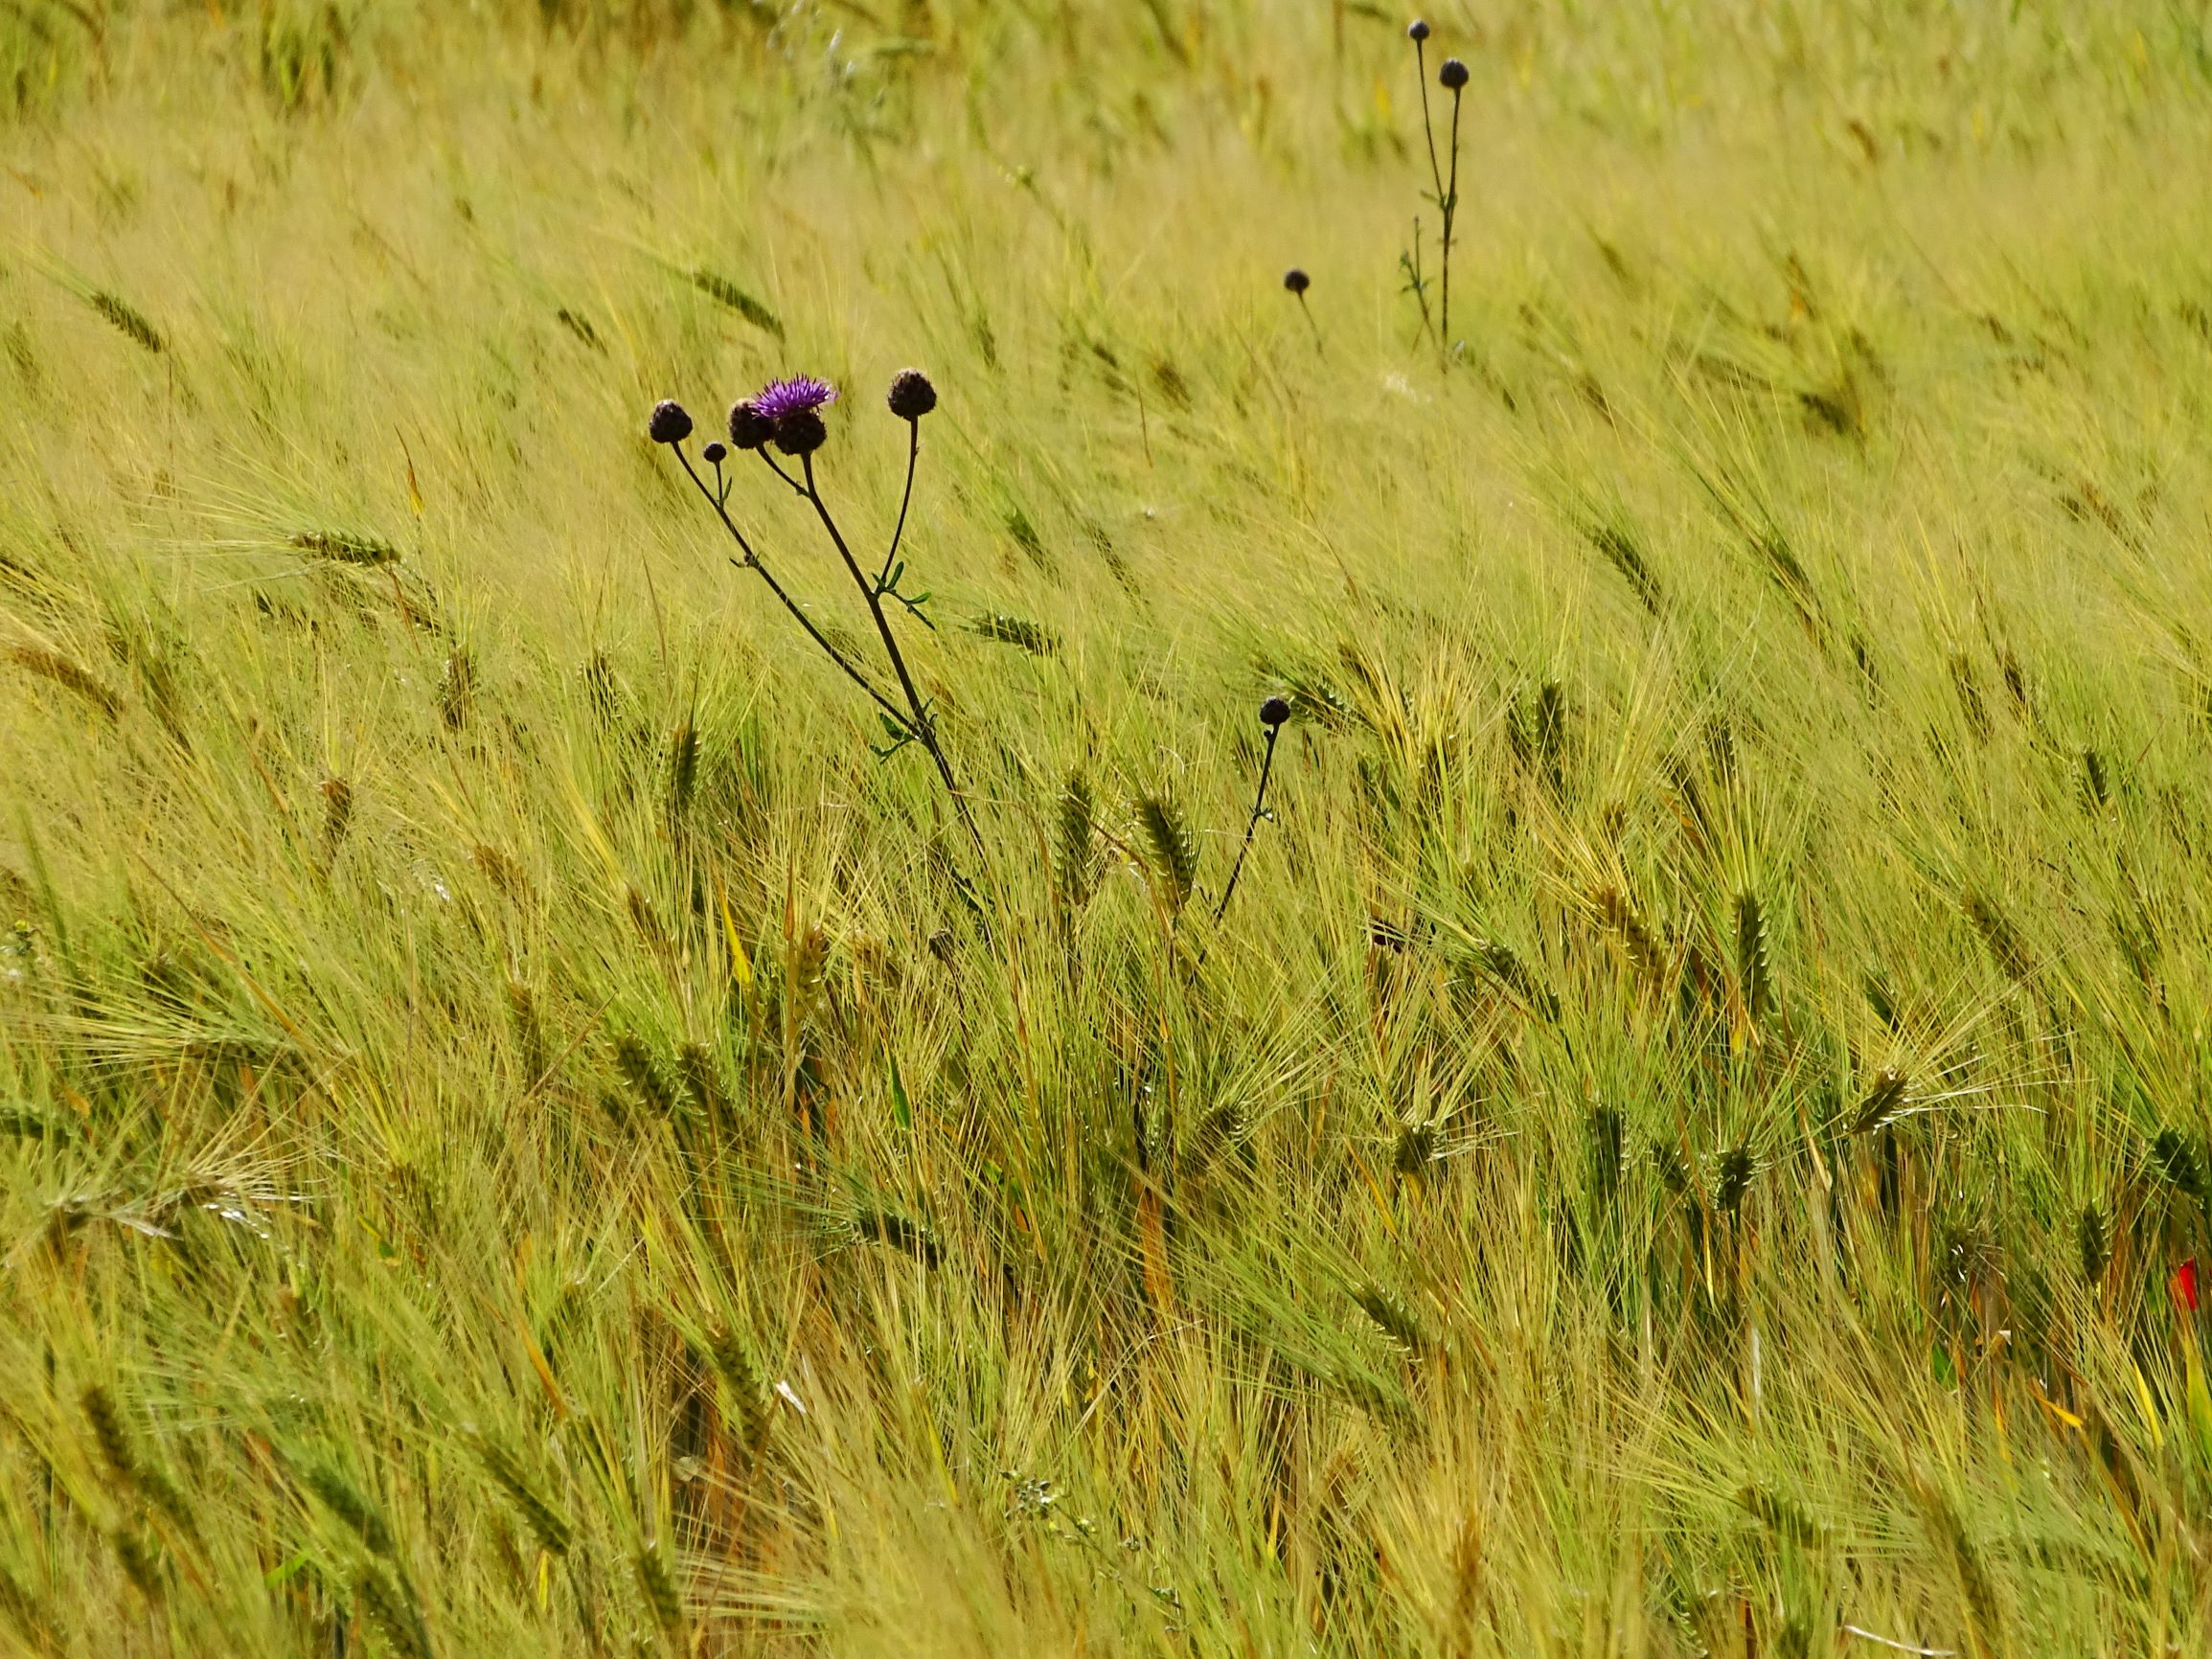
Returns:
point(393, 1611)
point(683, 770)
point(1551, 732)
point(1605, 1138)
point(149, 1480)
point(1968, 685)
point(724, 292)
point(1881, 1103)
point(2093, 1239)
point(346, 1500)
point(702, 1083)
point(1415, 1150)
point(337, 815)
point(1882, 1000)
point(2000, 936)
point(642, 1072)
point(1779, 1515)
point(141, 1559)
point(2176, 1159)
point(1733, 1179)
point(107, 1434)
point(528, 1029)
point(896, 1231)
point(1392, 1316)
point(1174, 853)
point(1033, 637)
point(602, 690)
point(1615, 539)
point(126, 320)
point(658, 1586)
point(749, 1388)
point(1076, 855)
point(2096, 785)
point(1498, 960)
point(67, 673)
point(456, 690)
point(547, 1525)
point(345, 547)
point(1753, 969)
point(1643, 948)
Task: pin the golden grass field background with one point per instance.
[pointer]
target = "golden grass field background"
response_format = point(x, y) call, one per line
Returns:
point(519, 1134)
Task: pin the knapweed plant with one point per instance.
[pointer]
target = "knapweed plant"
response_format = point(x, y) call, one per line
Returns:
point(784, 425)
point(784, 419)
point(1443, 190)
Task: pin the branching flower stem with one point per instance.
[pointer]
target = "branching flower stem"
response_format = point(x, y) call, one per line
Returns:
point(752, 561)
point(917, 721)
point(1427, 128)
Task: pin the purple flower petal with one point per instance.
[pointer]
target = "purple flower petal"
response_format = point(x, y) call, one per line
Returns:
point(792, 395)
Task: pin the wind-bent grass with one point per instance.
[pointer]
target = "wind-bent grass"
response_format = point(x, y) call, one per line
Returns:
point(513, 1139)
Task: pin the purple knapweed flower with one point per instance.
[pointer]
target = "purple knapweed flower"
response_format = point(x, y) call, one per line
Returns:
point(799, 393)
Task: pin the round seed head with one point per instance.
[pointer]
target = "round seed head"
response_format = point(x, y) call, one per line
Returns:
point(715, 454)
point(801, 432)
point(749, 428)
point(1274, 711)
point(912, 395)
point(1454, 74)
point(1417, 30)
point(670, 423)
point(1297, 280)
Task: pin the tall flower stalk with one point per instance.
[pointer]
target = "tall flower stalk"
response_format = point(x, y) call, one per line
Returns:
point(1444, 178)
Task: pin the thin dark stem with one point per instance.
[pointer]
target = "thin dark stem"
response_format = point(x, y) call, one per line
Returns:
point(1450, 211)
point(752, 561)
point(776, 466)
point(1259, 810)
point(1311, 323)
point(905, 499)
point(1417, 283)
point(1427, 129)
point(924, 728)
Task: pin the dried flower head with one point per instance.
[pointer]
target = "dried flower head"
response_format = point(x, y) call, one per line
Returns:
point(1453, 76)
point(796, 394)
point(1417, 30)
point(670, 423)
point(1274, 712)
point(715, 454)
point(912, 395)
point(1297, 280)
point(801, 432)
point(749, 428)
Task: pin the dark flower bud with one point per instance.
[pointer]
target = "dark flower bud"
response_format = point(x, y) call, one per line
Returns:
point(670, 423)
point(1274, 712)
point(749, 428)
point(801, 432)
point(1297, 280)
point(1417, 30)
point(715, 454)
point(912, 395)
point(1454, 74)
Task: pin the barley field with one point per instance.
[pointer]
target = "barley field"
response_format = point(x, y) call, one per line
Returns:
point(1532, 984)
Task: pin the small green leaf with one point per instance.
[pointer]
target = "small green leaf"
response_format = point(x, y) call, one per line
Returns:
point(902, 1109)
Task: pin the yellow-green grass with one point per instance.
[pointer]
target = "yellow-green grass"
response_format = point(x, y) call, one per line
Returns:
point(520, 1134)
